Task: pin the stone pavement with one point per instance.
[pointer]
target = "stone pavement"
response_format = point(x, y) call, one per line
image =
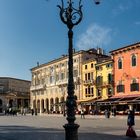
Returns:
point(50, 127)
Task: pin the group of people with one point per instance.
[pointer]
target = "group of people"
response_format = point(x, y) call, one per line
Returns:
point(10, 111)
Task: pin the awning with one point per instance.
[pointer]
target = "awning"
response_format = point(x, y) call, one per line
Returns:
point(89, 101)
point(121, 100)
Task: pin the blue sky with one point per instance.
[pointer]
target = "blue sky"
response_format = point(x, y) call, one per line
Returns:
point(31, 31)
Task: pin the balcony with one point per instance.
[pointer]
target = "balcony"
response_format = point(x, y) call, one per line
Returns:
point(88, 82)
point(37, 87)
point(62, 83)
point(104, 84)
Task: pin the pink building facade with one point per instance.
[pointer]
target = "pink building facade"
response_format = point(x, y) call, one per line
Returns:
point(127, 76)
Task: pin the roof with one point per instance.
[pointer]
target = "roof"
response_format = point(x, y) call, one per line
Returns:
point(56, 60)
point(14, 79)
point(128, 46)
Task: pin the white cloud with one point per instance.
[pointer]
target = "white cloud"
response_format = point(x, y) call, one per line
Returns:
point(122, 8)
point(137, 22)
point(95, 36)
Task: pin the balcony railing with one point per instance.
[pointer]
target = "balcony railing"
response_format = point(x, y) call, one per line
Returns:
point(104, 84)
point(89, 82)
point(37, 87)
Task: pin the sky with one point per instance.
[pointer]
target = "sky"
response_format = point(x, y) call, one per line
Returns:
point(31, 31)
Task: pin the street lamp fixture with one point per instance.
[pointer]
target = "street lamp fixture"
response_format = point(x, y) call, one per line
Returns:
point(71, 16)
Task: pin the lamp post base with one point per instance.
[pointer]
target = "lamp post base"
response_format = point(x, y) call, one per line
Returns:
point(71, 131)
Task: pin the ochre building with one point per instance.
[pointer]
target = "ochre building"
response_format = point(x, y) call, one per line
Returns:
point(14, 93)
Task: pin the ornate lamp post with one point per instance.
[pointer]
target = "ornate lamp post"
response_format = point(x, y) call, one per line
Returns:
point(71, 17)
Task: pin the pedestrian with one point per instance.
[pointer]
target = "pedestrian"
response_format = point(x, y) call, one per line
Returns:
point(32, 111)
point(24, 111)
point(131, 122)
point(114, 111)
point(107, 113)
point(82, 114)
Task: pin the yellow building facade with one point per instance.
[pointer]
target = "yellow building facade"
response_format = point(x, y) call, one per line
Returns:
point(97, 75)
point(104, 79)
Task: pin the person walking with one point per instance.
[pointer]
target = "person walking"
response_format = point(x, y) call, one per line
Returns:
point(32, 111)
point(107, 113)
point(82, 114)
point(131, 122)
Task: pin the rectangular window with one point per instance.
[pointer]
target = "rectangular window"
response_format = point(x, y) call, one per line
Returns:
point(85, 90)
point(62, 76)
point(91, 65)
point(75, 73)
point(86, 77)
point(92, 91)
point(110, 78)
point(57, 77)
point(134, 87)
point(91, 77)
point(99, 80)
point(85, 67)
point(120, 88)
point(99, 92)
point(109, 91)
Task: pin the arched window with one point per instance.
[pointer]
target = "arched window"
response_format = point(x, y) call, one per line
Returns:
point(120, 63)
point(133, 60)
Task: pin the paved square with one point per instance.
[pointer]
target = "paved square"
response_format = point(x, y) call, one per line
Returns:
point(51, 128)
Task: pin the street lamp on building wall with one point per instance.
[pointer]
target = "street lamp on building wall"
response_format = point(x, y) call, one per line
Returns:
point(71, 17)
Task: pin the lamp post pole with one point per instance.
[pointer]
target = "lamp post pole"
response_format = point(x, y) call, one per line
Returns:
point(71, 17)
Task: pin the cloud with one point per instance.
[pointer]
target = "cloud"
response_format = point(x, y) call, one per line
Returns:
point(95, 36)
point(137, 23)
point(122, 8)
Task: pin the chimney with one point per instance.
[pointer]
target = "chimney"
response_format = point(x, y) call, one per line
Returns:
point(37, 64)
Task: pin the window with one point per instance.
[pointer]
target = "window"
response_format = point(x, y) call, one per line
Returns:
point(62, 76)
point(88, 76)
point(57, 77)
point(98, 67)
point(92, 90)
point(91, 65)
point(134, 85)
point(85, 76)
point(89, 92)
point(120, 88)
point(133, 60)
point(109, 91)
point(99, 80)
point(74, 60)
point(119, 63)
point(85, 67)
point(110, 78)
point(51, 79)
point(99, 92)
point(75, 73)
point(86, 90)
point(91, 76)
point(109, 65)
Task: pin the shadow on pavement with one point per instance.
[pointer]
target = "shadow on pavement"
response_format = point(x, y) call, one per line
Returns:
point(14, 132)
